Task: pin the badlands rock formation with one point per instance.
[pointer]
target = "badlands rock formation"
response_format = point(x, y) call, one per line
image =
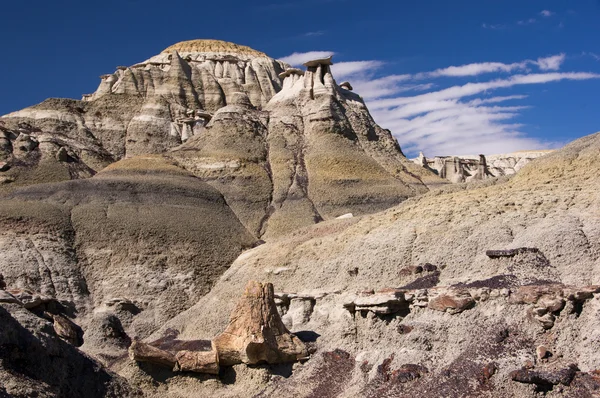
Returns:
point(285, 149)
point(134, 216)
point(472, 168)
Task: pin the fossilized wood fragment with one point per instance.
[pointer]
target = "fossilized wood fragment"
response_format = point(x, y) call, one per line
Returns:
point(197, 361)
point(67, 330)
point(255, 333)
point(142, 352)
point(544, 381)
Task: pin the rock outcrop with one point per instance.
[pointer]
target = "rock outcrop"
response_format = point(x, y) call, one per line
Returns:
point(475, 168)
point(142, 240)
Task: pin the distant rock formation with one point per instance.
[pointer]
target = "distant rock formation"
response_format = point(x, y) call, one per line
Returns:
point(469, 168)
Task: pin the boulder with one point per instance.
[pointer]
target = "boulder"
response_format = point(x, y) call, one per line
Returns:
point(255, 333)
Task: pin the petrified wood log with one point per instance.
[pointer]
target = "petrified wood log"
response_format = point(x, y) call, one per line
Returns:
point(197, 361)
point(142, 352)
point(255, 333)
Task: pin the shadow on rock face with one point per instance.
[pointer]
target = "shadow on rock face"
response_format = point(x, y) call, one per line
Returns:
point(308, 336)
point(42, 363)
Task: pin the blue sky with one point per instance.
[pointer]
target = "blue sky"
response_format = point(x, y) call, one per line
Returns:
point(447, 77)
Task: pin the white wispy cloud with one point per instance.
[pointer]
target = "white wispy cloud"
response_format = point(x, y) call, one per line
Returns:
point(342, 70)
point(471, 89)
point(297, 59)
point(314, 34)
point(546, 13)
point(455, 120)
point(495, 100)
point(493, 26)
point(474, 69)
point(529, 21)
point(593, 55)
point(551, 63)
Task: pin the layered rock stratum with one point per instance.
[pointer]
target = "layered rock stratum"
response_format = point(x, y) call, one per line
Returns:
point(134, 220)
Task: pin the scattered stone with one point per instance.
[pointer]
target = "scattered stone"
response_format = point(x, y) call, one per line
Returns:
point(489, 370)
point(383, 302)
point(4, 166)
point(545, 381)
point(542, 352)
point(404, 329)
point(407, 373)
